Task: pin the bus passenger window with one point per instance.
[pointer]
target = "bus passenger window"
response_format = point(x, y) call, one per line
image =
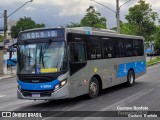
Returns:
point(94, 48)
point(107, 48)
point(138, 47)
point(128, 48)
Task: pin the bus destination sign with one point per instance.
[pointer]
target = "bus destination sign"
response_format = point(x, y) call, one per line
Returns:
point(41, 34)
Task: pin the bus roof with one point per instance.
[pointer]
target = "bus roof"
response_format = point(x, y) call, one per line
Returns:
point(36, 29)
point(101, 32)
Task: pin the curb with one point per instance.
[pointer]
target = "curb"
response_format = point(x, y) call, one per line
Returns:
point(7, 76)
point(153, 64)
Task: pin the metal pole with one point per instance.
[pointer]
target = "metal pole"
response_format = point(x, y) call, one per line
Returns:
point(118, 16)
point(5, 24)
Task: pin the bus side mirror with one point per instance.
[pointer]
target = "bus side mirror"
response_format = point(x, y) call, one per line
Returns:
point(11, 50)
point(10, 54)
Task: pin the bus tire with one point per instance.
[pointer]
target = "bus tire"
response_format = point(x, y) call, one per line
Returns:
point(130, 78)
point(93, 88)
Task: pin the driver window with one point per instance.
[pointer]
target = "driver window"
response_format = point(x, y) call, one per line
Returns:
point(77, 52)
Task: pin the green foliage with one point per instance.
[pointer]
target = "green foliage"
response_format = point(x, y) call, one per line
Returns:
point(153, 61)
point(156, 38)
point(1, 38)
point(24, 24)
point(91, 19)
point(142, 19)
point(126, 28)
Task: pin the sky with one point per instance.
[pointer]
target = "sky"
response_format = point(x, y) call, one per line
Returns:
point(63, 12)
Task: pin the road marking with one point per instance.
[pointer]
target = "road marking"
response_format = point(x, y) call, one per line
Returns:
point(2, 95)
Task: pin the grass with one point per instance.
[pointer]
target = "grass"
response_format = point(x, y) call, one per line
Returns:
point(153, 61)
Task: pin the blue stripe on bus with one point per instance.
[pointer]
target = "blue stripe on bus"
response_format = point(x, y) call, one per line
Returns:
point(138, 67)
point(38, 86)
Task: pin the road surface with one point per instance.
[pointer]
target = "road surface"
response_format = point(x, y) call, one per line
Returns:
point(146, 93)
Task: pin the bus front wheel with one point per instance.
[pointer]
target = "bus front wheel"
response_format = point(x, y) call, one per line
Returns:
point(93, 88)
point(130, 78)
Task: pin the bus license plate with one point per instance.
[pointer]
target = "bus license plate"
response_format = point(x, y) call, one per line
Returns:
point(35, 95)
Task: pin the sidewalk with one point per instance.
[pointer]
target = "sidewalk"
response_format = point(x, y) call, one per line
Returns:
point(9, 74)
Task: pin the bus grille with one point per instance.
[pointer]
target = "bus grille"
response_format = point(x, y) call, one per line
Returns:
point(27, 93)
point(36, 80)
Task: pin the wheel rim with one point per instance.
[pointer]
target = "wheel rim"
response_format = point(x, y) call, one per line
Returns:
point(93, 87)
point(131, 79)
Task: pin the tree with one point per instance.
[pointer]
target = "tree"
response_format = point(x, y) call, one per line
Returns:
point(157, 39)
point(126, 28)
point(91, 19)
point(142, 19)
point(24, 24)
point(1, 38)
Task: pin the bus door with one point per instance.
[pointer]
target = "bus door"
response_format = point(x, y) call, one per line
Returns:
point(77, 65)
point(107, 55)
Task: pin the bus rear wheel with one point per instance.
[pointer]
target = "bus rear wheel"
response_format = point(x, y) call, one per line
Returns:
point(130, 78)
point(93, 88)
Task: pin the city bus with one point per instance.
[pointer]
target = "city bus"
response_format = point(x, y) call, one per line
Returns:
point(60, 63)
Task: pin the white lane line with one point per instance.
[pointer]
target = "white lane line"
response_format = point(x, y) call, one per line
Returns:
point(2, 95)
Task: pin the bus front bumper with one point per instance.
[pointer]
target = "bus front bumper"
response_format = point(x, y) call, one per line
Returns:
point(61, 93)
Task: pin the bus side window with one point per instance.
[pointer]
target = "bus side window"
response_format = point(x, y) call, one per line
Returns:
point(119, 48)
point(128, 48)
point(107, 48)
point(94, 48)
point(77, 52)
point(138, 47)
point(141, 52)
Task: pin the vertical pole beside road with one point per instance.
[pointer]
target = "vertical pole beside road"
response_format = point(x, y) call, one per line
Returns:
point(5, 50)
point(5, 24)
point(118, 16)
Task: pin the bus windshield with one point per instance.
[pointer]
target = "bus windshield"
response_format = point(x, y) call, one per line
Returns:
point(38, 58)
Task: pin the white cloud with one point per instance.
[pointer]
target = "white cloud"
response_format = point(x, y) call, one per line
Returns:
point(29, 8)
point(71, 7)
point(155, 3)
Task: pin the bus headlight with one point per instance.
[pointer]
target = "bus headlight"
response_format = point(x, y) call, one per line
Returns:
point(61, 84)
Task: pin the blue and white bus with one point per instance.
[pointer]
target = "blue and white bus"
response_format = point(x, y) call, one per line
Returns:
point(59, 63)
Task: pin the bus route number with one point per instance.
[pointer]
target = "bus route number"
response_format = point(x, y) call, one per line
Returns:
point(42, 34)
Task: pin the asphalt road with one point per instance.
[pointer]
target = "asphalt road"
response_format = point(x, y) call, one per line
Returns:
point(146, 93)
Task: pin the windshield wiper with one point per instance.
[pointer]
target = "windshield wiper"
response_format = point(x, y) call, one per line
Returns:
point(45, 48)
